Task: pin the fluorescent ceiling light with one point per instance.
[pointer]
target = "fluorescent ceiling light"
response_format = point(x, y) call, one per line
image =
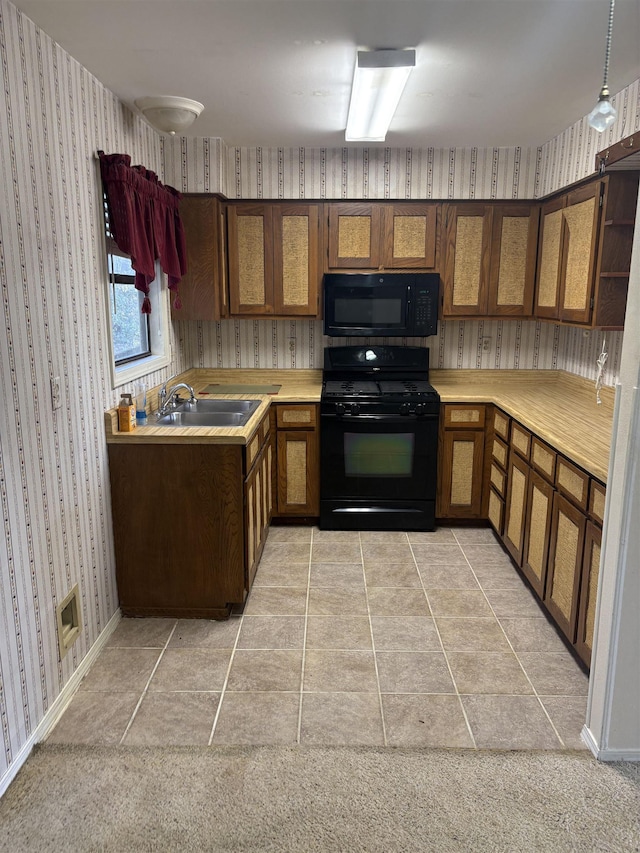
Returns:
point(378, 81)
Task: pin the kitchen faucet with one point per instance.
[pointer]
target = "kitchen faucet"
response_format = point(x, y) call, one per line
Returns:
point(168, 399)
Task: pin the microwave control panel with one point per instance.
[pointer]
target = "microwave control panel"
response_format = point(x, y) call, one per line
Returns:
point(423, 311)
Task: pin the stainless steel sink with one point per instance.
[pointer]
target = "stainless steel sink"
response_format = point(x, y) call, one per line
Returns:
point(210, 413)
point(216, 406)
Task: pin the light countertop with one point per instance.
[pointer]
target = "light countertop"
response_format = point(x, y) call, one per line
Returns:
point(558, 407)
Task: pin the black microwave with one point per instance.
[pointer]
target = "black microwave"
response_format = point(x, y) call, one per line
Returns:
point(381, 304)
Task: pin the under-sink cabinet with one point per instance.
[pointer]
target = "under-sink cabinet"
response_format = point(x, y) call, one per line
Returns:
point(190, 521)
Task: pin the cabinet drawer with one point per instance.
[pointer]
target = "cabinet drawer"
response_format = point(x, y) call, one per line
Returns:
point(495, 511)
point(520, 440)
point(572, 482)
point(297, 416)
point(597, 494)
point(543, 459)
point(501, 424)
point(462, 416)
point(500, 452)
point(498, 479)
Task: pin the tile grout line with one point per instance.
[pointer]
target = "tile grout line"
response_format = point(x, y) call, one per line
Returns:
point(216, 716)
point(146, 687)
point(373, 644)
point(304, 643)
point(520, 664)
point(444, 652)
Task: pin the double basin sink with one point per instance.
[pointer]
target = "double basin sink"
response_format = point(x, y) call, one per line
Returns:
point(210, 413)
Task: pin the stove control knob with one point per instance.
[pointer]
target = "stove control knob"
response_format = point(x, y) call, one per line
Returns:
point(340, 409)
point(405, 409)
point(420, 409)
point(355, 409)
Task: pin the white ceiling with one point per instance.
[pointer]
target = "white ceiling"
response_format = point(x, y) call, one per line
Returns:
point(278, 72)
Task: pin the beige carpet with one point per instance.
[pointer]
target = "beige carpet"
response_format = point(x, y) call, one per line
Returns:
point(318, 799)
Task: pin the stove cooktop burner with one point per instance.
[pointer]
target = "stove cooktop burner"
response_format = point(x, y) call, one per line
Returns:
point(352, 387)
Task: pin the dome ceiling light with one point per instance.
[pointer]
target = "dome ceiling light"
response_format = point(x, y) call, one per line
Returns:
point(169, 114)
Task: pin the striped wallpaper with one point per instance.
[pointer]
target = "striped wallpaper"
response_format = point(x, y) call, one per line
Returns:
point(54, 490)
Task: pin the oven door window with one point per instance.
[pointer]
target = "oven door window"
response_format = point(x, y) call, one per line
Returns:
point(371, 457)
point(378, 455)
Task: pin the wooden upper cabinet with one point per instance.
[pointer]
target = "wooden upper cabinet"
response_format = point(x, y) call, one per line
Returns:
point(512, 267)
point(584, 252)
point(382, 235)
point(203, 290)
point(579, 236)
point(409, 239)
point(250, 233)
point(490, 255)
point(547, 298)
point(467, 256)
point(296, 259)
point(274, 259)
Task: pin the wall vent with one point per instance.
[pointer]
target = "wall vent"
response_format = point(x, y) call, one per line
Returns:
point(69, 621)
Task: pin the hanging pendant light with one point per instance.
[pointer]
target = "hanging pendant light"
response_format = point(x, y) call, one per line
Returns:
point(604, 114)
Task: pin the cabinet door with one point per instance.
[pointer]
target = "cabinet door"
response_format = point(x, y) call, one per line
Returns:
point(537, 531)
point(516, 507)
point(513, 260)
point(203, 291)
point(354, 236)
point(588, 591)
point(409, 236)
point(460, 473)
point(258, 510)
point(250, 259)
point(467, 256)
point(547, 299)
point(565, 565)
point(298, 472)
point(296, 259)
point(579, 238)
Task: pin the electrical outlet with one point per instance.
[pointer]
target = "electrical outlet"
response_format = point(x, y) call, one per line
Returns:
point(486, 345)
point(56, 393)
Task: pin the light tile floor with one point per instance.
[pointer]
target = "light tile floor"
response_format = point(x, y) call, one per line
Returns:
point(371, 638)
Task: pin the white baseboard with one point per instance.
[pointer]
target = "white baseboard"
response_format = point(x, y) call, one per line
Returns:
point(608, 754)
point(60, 705)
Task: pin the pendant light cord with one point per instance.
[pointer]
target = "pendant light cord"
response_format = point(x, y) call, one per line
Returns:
point(605, 82)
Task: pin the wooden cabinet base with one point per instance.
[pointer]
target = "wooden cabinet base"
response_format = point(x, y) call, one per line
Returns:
point(178, 529)
point(219, 613)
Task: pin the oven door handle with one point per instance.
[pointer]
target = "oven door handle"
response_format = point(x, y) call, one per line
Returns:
point(380, 418)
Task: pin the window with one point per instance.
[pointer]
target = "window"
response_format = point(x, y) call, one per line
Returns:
point(129, 326)
point(139, 342)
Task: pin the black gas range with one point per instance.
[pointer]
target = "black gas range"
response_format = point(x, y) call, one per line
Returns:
point(378, 438)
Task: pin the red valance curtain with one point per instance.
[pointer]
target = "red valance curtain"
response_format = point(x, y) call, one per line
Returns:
point(145, 222)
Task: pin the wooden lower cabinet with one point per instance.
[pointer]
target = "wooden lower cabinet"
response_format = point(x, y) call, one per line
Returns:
point(258, 494)
point(461, 462)
point(537, 531)
point(566, 547)
point(298, 460)
point(588, 591)
point(516, 507)
point(188, 541)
